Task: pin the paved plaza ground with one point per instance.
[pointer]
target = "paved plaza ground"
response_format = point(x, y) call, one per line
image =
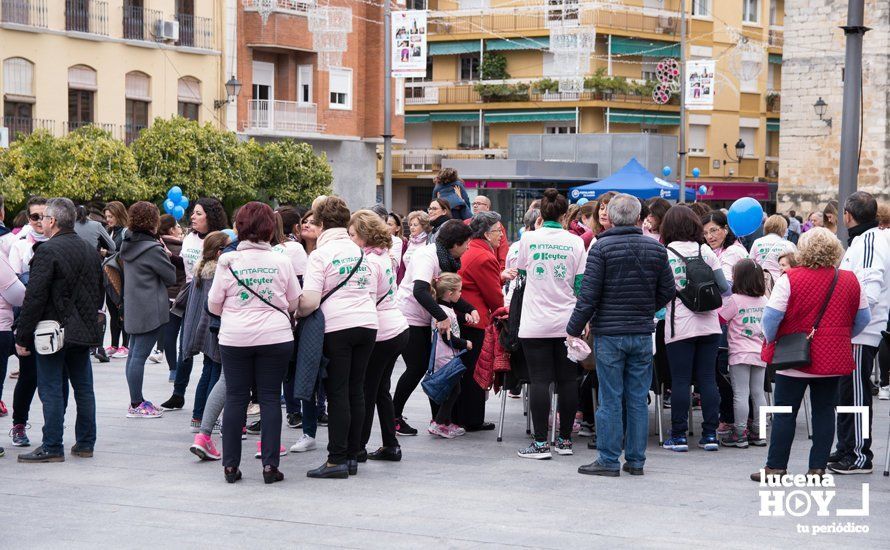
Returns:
point(143, 488)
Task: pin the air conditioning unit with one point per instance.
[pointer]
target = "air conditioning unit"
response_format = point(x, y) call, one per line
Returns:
point(666, 24)
point(167, 31)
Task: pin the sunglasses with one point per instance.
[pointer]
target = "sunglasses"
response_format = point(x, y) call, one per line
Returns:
point(35, 217)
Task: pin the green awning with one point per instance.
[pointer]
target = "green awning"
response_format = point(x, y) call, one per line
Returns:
point(518, 44)
point(472, 116)
point(649, 48)
point(775, 58)
point(528, 116)
point(772, 125)
point(642, 117)
point(417, 119)
point(454, 48)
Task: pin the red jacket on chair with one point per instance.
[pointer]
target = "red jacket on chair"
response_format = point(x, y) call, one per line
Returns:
point(481, 280)
point(492, 357)
point(831, 350)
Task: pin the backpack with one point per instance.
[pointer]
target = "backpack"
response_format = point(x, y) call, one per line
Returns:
point(113, 277)
point(701, 292)
point(509, 337)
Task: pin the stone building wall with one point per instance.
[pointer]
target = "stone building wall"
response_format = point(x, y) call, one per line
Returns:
point(813, 58)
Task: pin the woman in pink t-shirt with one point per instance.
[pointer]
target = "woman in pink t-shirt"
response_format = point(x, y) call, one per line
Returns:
point(253, 290)
point(12, 294)
point(368, 231)
point(691, 338)
point(350, 331)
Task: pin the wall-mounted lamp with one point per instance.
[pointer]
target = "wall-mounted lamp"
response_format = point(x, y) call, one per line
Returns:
point(233, 88)
point(820, 106)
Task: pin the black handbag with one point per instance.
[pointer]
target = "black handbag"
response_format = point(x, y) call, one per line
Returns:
point(793, 350)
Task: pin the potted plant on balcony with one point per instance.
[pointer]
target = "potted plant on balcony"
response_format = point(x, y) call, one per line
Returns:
point(772, 100)
point(545, 86)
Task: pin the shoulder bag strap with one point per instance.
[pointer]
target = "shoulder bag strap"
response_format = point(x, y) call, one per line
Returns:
point(825, 303)
point(346, 280)
point(681, 257)
point(265, 301)
point(433, 352)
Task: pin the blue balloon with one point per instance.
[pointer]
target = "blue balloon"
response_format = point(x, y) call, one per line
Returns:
point(745, 216)
point(696, 172)
point(702, 190)
point(232, 236)
point(582, 201)
point(168, 206)
point(184, 203)
point(175, 194)
point(666, 171)
point(178, 212)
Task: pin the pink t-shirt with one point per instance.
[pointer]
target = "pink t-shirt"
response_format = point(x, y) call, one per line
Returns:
point(6, 243)
point(246, 320)
point(414, 244)
point(192, 249)
point(390, 321)
point(297, 255)
point(8, 281)
point(552, 259)
point(744, 332)
point(424, 266)
point(766, 251)
point(686, 323)
point(20, 254)
point(445, 352)
point(730, 256)
point(351, 306)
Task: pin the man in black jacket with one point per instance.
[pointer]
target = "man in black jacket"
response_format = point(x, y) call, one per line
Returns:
point(627, 279)
point(65, 286)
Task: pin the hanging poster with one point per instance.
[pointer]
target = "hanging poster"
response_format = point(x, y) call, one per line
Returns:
point(409, 44)
point(700, 84)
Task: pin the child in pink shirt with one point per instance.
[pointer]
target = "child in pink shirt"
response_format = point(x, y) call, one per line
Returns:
point(743, 312)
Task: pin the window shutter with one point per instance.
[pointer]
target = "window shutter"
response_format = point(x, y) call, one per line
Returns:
point(18, 77)
point(81, 77)
point(189, 90)
point(138, 87)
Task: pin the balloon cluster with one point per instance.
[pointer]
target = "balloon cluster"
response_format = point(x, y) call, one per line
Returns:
point(176, 204)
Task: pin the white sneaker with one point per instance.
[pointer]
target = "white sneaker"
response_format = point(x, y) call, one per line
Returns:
point(156, 356)
point(305, 443)
point(884, 393)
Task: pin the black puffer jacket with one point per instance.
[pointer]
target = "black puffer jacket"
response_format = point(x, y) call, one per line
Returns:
point(627, 279)
point(65, 286)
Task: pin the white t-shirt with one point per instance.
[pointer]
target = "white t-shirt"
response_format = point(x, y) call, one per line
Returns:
point(766, 251)
point(8, 280)
point(424, 266)
point(351, 306)
point(390, 321)
point(552, 259)
point(395, 251)
point(6, 242)
point(686, 323)
point(510, 262)
point(192, 249)
point(296, 253)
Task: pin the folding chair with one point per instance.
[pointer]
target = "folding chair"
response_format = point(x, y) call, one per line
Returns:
point(887, 457)
point(554, 401)
point(503, 406)
point(806, 413)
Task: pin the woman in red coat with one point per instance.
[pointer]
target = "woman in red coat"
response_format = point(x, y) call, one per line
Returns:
point(481, 274)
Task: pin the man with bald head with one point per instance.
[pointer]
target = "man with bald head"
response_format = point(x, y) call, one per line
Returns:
point(483, 204)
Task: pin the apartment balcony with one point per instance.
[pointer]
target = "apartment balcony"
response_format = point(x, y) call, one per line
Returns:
point(25, 126)
point(776, 37)
point(463, 94)
point(195, 32)
point(427, 161)
point(773, 102)
point(530, 19)
point(140, 23)
point(87, 16)
point(291, 7)
point(281, 117)
point(771, 169)
point(29, 13)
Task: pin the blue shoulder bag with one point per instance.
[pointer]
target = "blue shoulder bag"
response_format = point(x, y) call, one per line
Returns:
point(437, 384)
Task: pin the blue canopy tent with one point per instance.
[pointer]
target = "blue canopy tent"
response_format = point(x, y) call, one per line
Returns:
point(635, 180)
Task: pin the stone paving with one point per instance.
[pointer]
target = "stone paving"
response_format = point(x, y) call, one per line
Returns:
point(143, 488)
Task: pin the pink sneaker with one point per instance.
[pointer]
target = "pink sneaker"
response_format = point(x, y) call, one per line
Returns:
point(110, 350)
point(259, 450)
point(121, 353)
point(441, 430)
point(456, 430)
point(144, 410)
point(204, 448)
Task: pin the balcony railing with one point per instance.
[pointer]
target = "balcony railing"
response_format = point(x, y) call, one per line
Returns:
point(31, 13)
point(140, 23)
point(430, 160)
point(466, 93)
point(525, 19)
point(24, 126)
point(87, 16)
point(131, 132)
point(282, 116)
point(776, 38)
point(195, 32)
point(300, 7)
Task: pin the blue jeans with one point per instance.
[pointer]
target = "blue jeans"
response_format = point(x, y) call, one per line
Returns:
point(171, 346)
point(183, 372)
point(209, 377)
point(141, 346)
point(51, 371)
point(624, 370)
point(694, 357)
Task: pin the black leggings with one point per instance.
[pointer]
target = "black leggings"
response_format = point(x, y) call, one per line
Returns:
point(243, 367)
point(443, 415)
point(548, 362)
point(25, 389)
point(348, 352)
point(417, 361)
point(469, 410)
point(377, 383)
point(118, 335)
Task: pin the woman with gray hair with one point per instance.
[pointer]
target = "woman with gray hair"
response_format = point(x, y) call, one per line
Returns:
point(481, 275)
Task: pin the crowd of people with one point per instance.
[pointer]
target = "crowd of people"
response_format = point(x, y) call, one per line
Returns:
point(309, 308)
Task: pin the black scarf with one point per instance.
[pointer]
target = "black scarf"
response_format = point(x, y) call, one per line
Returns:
point(854, 232)
point(447, 262)
point(435, 224)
